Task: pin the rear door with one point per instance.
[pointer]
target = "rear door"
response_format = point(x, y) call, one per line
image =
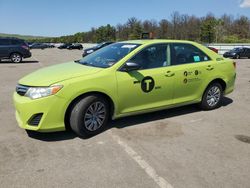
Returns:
point(4, 47)
point(192, 68)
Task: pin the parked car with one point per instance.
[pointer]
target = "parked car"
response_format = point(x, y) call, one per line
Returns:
point(38, 46)
point(49, 45)
point(213, 49)
point(64, 46)
point(75, 46)
point(14, 49)
point(238, 53)
point(97, 47)
point(122, 79)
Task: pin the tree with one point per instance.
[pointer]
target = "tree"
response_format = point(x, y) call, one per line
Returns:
point(208, 28)
point(105, 33)
point(164, 29)
point(181, 26)
point(135, 28)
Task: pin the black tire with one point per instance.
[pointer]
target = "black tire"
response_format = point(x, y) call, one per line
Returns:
point(214, 102)
point(237, 56)
point(16, 57)
point(80, 120)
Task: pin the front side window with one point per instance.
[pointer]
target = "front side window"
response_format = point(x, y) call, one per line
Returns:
point(154, 56)
point(187, 53)
point(109, 55)
point(15, 42)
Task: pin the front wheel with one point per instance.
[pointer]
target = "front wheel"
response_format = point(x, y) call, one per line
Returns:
point(89, 115)
point(16, 58)
point(212, 97)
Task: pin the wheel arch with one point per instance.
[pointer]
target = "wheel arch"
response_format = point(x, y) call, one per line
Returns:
point(14, 52)
point(76, 99)
point(220, 81)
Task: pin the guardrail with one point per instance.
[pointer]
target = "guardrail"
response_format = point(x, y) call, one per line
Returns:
point(224, 47)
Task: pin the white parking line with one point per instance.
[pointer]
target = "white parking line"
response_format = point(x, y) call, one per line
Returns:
point(162, 183)
point(40, 63)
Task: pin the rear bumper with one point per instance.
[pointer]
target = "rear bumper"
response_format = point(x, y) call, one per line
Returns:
point(52, 108)
point(27, 54)
point(230, 85)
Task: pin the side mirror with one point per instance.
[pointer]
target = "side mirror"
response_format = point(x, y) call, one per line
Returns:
point(130, 66)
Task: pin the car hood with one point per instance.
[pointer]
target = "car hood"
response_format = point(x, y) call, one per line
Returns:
point(56, 73)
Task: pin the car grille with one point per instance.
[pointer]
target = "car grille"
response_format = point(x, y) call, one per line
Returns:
point(35, 119)
point(21, 90)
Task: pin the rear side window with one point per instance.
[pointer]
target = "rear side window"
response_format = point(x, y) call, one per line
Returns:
point(4, 41)
point(187, 53)
point(16, 42)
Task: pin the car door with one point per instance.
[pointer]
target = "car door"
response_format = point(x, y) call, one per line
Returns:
point(191, 67)
point(4, 47)
point(248, 53)
point(151, 86)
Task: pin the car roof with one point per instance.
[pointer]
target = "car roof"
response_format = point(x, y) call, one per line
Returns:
point(11, 38)
point(155, 41)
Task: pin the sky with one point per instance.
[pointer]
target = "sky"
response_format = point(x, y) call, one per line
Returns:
point(64, 17)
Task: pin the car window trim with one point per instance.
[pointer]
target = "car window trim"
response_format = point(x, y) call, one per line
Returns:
point(171, 46)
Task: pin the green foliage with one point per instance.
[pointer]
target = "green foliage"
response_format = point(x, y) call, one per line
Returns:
point(105, 33)
point(207, 29)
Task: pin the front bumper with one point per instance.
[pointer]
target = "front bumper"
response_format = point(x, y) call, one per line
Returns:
point(53, 109)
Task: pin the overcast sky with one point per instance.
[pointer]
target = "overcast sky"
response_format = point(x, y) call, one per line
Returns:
point(63, 17)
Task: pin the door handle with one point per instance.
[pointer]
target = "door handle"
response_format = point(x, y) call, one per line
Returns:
point(169, 74)
point(210, 67)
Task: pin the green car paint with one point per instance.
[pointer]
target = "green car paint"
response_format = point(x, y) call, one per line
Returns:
point(133, 92)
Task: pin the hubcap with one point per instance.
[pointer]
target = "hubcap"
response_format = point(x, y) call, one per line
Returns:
point(213, 96)
point(16, 58)
point(94, 116)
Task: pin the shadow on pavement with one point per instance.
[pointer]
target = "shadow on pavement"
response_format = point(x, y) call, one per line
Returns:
point(23, 62)
point(52, 137)
point(125, 122)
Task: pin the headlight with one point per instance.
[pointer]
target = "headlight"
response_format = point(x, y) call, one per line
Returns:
point(233, 53)
point(39, 92)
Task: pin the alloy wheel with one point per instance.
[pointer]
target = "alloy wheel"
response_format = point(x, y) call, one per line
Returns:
point(94, 116)
point(213, 96)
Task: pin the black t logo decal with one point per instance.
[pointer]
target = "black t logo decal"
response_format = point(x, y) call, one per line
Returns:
point(147, 84)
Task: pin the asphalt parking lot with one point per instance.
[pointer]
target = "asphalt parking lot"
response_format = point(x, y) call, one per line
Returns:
point(181, 147)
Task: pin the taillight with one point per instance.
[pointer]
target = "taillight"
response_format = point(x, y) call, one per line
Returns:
point(25, 47)
point(234, 63)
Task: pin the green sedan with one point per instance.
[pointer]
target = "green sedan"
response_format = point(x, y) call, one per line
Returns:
point(122, 79)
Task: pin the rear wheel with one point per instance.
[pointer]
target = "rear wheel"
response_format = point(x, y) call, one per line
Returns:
point(237, 56)
point(16, 58)
point(89, 115)
point(212, 97)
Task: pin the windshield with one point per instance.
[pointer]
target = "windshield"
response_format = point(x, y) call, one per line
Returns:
point(236, 50)
point(109, 55)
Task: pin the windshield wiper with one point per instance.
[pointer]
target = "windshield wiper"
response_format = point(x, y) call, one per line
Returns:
point(87, 64)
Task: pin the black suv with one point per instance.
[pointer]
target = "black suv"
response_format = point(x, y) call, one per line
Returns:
point(238, 53)
point(14, 49)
